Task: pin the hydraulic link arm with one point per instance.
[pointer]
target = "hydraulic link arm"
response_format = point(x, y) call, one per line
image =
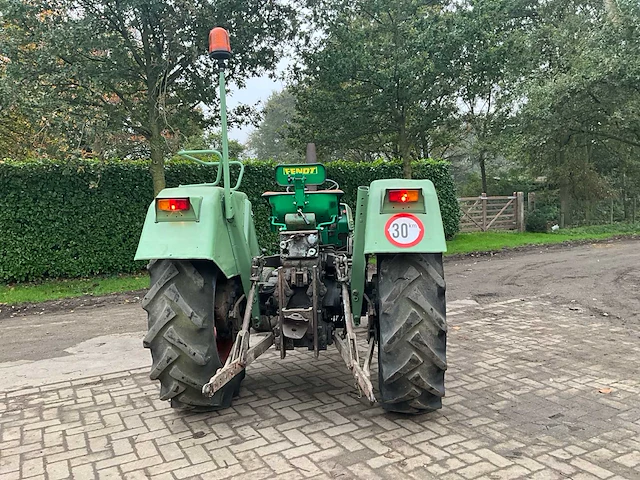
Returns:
point(241, 355)
point(347, 344)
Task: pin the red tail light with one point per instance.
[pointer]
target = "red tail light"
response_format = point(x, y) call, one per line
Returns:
point(173, 204)
point(404, 196)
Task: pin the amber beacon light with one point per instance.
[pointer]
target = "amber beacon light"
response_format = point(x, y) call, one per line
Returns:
point(219, 44)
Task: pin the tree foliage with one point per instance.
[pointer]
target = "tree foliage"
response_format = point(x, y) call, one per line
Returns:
point(378, 81)
point(492, 54)
point(271, 140)
point(208, 140)
point(135, 67)
point(580, 124)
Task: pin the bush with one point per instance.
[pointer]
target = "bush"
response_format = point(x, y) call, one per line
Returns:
point(84, 217)
point(536, 222)
point(539, 219)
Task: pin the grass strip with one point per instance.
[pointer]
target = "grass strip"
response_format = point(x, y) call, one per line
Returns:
point(69, 288)
point(492, 241)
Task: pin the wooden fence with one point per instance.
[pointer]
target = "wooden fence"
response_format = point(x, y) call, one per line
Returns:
point(492, 213)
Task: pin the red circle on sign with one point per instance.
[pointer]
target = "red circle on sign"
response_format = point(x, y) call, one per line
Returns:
point(404, 245)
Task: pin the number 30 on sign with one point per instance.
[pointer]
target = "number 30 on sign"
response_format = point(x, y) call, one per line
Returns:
point(404, 230)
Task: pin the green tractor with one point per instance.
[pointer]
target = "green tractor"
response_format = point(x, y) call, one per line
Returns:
point(211, 284)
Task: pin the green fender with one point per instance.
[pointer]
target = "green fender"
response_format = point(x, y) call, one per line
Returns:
point(202, 232)
point(425, 214)
point(383, 226)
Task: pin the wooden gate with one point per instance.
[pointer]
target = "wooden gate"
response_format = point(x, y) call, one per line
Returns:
point(492, 213)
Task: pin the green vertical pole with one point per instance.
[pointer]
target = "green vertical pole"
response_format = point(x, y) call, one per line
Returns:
point(228, 207)
point(358, 260)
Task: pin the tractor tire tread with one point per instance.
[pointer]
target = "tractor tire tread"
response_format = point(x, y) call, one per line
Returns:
point(412, 332)
point(180, 307)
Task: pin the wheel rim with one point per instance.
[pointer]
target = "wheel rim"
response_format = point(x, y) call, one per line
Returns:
point(223, 345)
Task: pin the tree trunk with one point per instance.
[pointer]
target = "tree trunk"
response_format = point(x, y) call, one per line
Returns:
point(406, 166)
point(483, 173)
point(613, 12)
point(157, 160)
point(565, 206)
point(425, 147)
point(623, 196)
point(403, 145)
point(156, 142)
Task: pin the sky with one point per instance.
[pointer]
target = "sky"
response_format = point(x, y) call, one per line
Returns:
point(257, 89)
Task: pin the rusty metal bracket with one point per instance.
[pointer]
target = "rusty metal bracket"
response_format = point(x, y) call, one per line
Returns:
point(281, 305)
point(316, 311)
point(225, 374)
point(342, 269)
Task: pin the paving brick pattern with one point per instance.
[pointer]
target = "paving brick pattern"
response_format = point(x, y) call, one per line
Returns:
point(524, 400)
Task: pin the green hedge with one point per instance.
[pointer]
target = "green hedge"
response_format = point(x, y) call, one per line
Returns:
point(84, 218)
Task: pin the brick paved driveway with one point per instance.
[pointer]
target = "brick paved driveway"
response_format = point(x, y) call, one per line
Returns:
point(534, 390)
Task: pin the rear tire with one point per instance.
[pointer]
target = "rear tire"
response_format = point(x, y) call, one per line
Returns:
point(412, 332)
point(180, 305)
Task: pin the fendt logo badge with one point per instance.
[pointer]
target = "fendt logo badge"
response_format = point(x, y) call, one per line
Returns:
point(300, 170)
point(404, 230)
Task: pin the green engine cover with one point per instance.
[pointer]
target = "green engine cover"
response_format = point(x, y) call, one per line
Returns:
point(303, 209)
point(324, 204)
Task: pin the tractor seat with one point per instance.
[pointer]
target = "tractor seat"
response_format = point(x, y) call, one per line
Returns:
point(310, 192)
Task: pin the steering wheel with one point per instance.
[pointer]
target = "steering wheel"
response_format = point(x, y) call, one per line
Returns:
point(334, 185)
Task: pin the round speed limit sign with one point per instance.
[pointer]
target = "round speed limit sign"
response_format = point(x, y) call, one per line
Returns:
point(404, 230)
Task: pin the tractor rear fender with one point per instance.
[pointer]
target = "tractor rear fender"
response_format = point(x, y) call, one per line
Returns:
point(201, 231)
point(393, 216)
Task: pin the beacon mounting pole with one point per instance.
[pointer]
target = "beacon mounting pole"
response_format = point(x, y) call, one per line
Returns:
point(220, 50)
